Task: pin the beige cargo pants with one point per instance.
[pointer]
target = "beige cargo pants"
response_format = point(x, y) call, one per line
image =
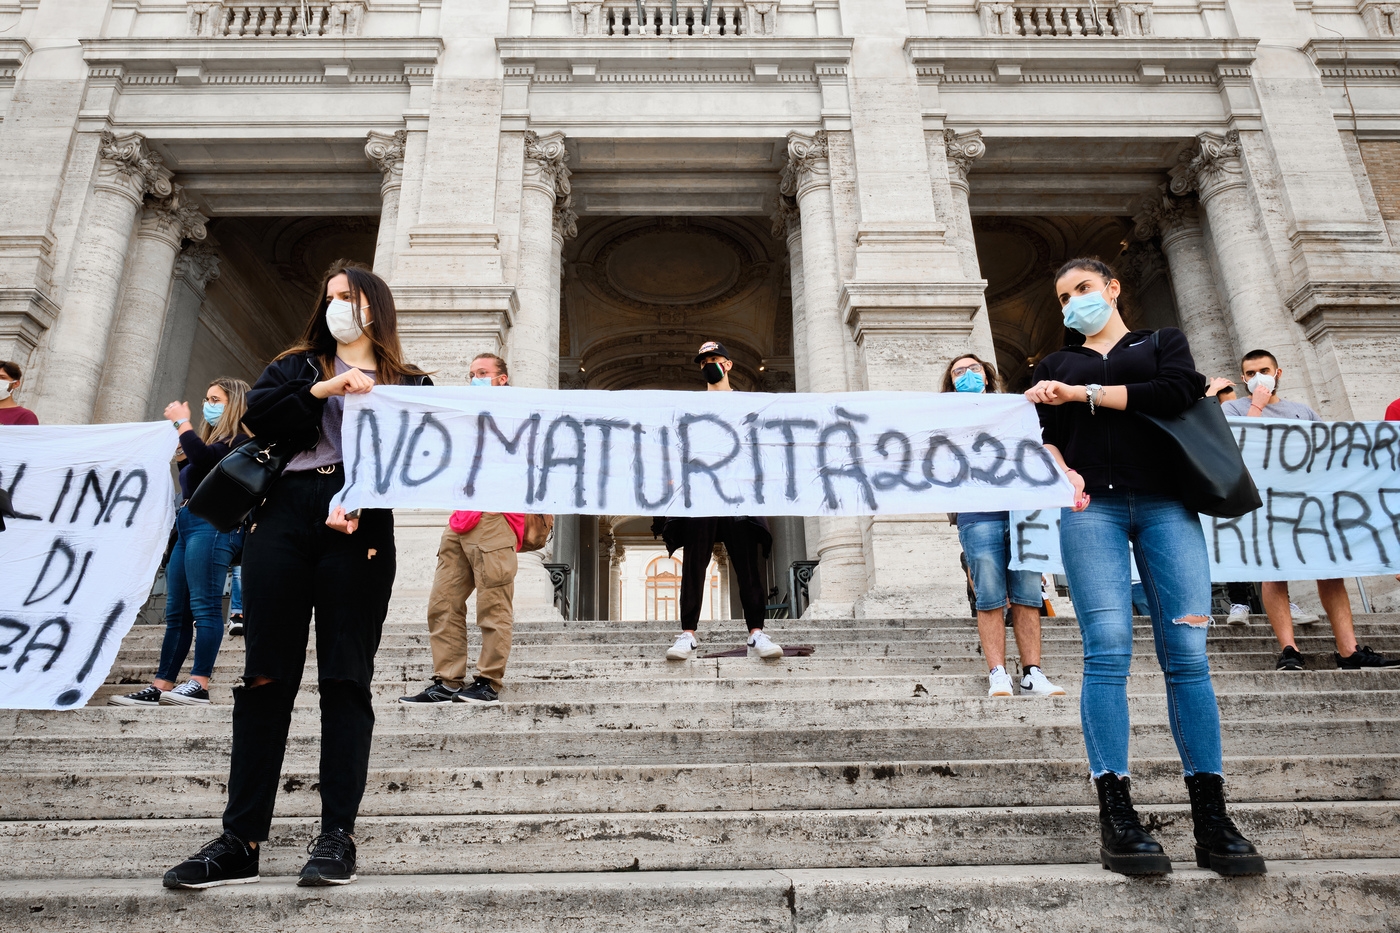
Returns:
point(482, 560)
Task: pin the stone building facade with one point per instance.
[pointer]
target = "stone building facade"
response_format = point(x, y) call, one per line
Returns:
point(846, 192)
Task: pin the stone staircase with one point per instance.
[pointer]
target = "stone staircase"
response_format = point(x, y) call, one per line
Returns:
point(870, 787)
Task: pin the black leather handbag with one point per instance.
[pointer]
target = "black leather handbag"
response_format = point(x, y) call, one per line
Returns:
point(239, 482)
point(1205, 458)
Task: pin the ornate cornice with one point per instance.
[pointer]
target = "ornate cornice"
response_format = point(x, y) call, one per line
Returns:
point(386, 150)
point(198, 264)
point(173, 219)
point(129, 168)
point(807, 163)
point(1214, 167)
point(962, 149)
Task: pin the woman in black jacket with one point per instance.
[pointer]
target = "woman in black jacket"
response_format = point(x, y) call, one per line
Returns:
point(297, 559)
point(1087, 397)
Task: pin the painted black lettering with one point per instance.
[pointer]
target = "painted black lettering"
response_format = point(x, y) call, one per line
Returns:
point(1343, 525)
point(383, 472)
point(485, 421)
point(82, 573)
point(690, 466)
point(1026, 524)
point(1350, 428)
point(755, 456)
point(55, 649)
point(63, 550)
point(14, 494)
point(93, 482)
point(991, 476)
point(62, 494)
point(1303, 463)
point(1052, 472)
point(887, 479)
point(428, 421)
point(668, 484)
point(120, 495)
point(937, 443)
point(606, 426)
point(853, 468)
point(1217, 525)
point(1297, 523)
point(549, 460)
point(1392, 514)
point(112, 618)
point(1319, 435)
point(786, 426)
point(19, 628)
point(1386, 436)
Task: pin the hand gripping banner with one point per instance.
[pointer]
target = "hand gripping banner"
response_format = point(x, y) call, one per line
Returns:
point(694, 453)
point(93, 508)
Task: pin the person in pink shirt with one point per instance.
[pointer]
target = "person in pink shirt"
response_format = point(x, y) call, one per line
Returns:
point(12, 412)
point(477, 553)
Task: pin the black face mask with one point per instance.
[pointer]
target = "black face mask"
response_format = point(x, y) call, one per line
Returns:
point(713, 373)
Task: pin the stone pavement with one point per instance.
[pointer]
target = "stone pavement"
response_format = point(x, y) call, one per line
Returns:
point(871, 786)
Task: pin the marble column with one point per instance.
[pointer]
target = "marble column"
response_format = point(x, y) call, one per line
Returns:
point(615, 555)
point(196, 267)
point(129, 374)
point(386, 151)
point(960, 150)
point(787, 222)
point(1242, 270)
point(77, 348)
point(1198, 304)
point(840, 577)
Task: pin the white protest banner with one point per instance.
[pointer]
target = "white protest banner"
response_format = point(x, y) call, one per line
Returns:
point(94, 507)
point(694, 453)
point(1331, 492)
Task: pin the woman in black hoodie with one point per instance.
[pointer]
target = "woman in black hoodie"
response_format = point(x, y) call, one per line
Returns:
point(1088, 398)
point(300, 556)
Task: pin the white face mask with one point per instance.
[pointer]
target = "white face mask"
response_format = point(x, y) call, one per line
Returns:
point(340, 318)
point(5, 388)
point(1260, 379)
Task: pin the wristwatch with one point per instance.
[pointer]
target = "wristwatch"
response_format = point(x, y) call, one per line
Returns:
point(1092, 390)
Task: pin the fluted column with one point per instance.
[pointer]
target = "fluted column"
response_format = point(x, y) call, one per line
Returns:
point(960, 151)
point(196, 267)
point(129, 374)
point(386, 151)
point(840, 575)
point(1243, 272)
point(787, 222)
point(534, 338)
point(128, 171)
point(1198, 304)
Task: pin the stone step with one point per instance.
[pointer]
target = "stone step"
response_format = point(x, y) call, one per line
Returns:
point(771, 742)
point(801, 684)
point(1320, 896)
point(106, 723)
point(688, 840)
point(104, 794)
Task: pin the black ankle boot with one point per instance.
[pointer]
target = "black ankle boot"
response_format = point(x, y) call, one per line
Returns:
point(1219, 845)
point(1126, 847)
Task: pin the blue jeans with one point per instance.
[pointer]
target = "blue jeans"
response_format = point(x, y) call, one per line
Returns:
point(194, 598)
point(235, 592)
point(988, 549)
point(1175, 570)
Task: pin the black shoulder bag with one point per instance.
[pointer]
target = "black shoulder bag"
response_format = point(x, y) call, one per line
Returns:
point(239, 482)
point(1211, 475)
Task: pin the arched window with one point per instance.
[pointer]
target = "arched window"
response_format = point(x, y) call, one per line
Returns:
point(664, 589)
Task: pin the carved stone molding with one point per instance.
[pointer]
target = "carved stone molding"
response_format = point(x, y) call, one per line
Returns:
point(173, 219)
point(1141, 264)
point(787, 220)
point(547, 161)
point(1214, 167)
point(198, 264)
point(565, 219)
point(131, 169)
point(1382, 19)
point(386, 150)
point(962, 149)
point(1161, 214)
point(807, 164)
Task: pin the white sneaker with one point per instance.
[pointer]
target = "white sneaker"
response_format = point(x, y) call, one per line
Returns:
point(1239, 615)
point(1300, 617)
point(683, 649)
point(1037, 684)
point(761, 646)
point(1000, 683)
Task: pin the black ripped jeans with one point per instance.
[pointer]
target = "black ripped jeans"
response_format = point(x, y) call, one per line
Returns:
point(293, 565)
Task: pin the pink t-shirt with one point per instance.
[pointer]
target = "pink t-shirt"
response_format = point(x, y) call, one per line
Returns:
point(17, 415)
point(1392, 413)
point(463, 522)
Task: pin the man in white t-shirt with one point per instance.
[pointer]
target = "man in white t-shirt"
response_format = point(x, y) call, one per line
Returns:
point(1261, 377)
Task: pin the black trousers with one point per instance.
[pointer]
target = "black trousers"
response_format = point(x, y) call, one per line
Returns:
point(293, 565)
point(742, 544)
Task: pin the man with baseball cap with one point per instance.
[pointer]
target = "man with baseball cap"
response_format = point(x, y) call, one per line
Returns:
point(744, 538)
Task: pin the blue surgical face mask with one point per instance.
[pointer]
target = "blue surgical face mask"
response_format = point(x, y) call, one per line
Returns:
point(1087, 313)
point(970, 381)
point(481, 382)
point(212, 413)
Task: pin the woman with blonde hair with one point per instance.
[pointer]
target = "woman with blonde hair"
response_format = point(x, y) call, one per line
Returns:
point(199, 562)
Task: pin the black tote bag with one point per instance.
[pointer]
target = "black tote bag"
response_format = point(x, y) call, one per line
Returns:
point(238, 483)
point(1212, 478)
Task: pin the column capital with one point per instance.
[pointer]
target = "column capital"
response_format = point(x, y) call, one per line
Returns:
point(546, 162)
point(386, 150)
point(807, 166)
point(1160, 214)
point(565, 219)
point(787, 221)
point(1214, 167)
point(962, 150)
point(130, 169)
point(198, 264)
point(173, 219)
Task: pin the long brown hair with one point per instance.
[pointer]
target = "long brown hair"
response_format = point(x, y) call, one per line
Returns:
point(366, 289)
point(988, 370)
point(231, 421)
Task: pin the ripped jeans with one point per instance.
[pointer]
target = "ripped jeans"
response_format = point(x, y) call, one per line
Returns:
point(1175, 570)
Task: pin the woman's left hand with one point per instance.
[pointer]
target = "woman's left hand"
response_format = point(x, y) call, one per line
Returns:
point(1050, 392)
point(341, 522)
point(177, 412)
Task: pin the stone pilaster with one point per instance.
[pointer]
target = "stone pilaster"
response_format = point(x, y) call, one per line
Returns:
point(806, 178)
point(130, 371)
point(196, 266)
point(1215, 171)
point(77, 348)
point(960, 150)
point(1202, 314)
point(386, 151)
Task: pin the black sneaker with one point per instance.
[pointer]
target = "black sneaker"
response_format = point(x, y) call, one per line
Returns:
point(435, 692)
point(226, 860)
point(235, 624)
point(147, 697)
point(332, 861)
point(1290, 660)
point(189, 693)
point(479, 692)
point(1362, 658)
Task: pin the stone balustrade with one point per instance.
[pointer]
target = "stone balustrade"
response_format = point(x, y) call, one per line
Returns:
point(1065, 20)
point(275, 20)
point(642, 19)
